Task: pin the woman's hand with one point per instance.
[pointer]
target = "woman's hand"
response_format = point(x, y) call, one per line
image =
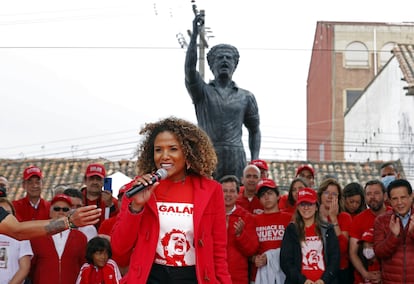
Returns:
point(139, 199)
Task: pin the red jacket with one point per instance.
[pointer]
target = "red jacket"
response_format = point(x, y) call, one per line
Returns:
point(48, 268)
point(254, 206)
point(109, 274)
point(26, 212)
point(138, 234)
point(396, 254)
point(239, 249)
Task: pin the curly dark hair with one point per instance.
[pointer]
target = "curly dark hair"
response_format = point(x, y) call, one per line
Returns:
point(197, 147)
point(211, 55)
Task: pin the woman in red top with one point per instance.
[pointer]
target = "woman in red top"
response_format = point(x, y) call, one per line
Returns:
point(309, 253)
point(287, 203)
point(175, 229)
point(329, 196)
point(354, 198)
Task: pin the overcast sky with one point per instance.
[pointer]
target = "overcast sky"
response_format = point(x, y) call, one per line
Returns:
point(79, 78)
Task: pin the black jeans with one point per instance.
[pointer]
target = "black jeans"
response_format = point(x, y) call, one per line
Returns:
point(163, 274)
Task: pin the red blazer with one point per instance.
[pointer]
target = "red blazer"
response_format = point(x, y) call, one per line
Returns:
point(26, 212)
point(137, 234)
point(46, 266)
point(239, 249)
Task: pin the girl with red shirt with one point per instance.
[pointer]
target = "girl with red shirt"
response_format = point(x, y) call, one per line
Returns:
point(309, 252)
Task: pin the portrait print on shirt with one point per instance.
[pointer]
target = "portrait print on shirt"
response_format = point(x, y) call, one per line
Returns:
point(175, 243)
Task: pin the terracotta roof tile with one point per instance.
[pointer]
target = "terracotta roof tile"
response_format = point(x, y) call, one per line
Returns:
point(70, 172)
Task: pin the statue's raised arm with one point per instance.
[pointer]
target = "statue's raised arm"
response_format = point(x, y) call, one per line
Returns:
point(222, 108)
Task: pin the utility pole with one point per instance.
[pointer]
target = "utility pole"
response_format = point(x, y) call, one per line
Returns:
point(202, 45)
point(202, 40)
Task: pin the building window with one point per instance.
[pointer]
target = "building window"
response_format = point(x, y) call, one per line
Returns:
point(350, 98)
point(385, 53)
point(356, 55)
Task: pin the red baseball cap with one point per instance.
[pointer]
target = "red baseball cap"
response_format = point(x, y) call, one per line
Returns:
point(61, 197)
point(305, 167)
point(264, 185)
point(307, 195)
point(260, 164)
point(368, 236)
point(32, 171)
point(95, 170)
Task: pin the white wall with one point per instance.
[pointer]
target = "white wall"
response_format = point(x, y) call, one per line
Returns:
point(380, 124)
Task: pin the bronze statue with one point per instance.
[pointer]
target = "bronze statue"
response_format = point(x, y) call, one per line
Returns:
point(221, 106)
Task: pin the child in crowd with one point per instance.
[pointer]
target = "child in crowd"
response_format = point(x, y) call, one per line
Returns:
point(367, 254)
point(100, 268)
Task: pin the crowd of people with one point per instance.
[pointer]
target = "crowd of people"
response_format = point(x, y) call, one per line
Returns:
point(190, 228)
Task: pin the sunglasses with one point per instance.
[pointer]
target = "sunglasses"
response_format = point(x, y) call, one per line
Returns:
point(64, 209)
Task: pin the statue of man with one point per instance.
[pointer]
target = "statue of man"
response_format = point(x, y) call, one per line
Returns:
point(221, 106)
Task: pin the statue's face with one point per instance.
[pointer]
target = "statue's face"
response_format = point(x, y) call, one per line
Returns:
point(224, 64)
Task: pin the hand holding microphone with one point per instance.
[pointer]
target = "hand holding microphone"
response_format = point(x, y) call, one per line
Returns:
point(159, 175)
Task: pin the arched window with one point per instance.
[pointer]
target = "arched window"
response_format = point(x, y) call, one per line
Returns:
point(385, 53)
point(356, 55)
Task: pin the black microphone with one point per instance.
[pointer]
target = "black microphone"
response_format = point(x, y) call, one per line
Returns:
point(159, 175)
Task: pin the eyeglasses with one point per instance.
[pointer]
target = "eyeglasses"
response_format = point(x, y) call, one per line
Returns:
point(64, 209)
point(306, 204)
point(327, 193)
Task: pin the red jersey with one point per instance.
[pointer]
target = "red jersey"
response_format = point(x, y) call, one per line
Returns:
point(270, 229)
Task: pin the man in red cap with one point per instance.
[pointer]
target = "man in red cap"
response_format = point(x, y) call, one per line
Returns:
point(263, 167)
point(32, 206)
point(94, 195)
point(306, 172)
point(270, 228)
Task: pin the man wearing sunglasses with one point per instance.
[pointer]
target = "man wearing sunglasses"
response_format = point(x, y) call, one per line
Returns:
point(61, 254)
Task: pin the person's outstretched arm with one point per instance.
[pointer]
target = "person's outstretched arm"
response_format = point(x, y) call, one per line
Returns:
point(87, 215)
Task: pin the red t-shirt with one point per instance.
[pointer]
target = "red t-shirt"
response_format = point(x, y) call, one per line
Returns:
point(270, 229)
point(313, 263)
point(362, 223)
point(345, 223)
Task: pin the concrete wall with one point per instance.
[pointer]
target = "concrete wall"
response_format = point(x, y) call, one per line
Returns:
point(380, 124)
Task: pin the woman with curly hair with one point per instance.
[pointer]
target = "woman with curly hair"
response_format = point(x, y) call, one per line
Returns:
point(175, 229)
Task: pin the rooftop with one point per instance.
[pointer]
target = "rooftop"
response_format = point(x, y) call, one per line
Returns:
point(70, 172)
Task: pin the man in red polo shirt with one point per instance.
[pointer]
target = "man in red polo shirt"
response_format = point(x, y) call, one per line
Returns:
point(94, 195)
point(32, 206)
